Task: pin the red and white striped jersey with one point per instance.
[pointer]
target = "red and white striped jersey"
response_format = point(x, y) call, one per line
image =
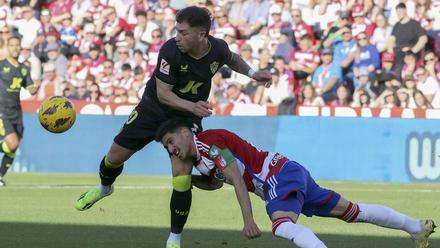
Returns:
point(254, 165)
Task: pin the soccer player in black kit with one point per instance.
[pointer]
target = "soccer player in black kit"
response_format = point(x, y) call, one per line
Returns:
point(13, 77)
point(179, 87)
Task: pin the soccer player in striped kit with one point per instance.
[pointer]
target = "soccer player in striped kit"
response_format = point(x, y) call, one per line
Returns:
point(286, 186)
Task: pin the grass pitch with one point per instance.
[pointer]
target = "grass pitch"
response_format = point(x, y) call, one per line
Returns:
point(36, 210)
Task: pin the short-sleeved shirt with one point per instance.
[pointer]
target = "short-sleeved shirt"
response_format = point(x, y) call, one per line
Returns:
point(12, 79)
point(407, 34)
point(190, 77)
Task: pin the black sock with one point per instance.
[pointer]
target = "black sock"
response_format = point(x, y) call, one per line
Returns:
point(180, 205)
point(6, 163)
point(108, 175)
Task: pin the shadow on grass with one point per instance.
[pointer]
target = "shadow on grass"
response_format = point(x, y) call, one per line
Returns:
point(36, 235)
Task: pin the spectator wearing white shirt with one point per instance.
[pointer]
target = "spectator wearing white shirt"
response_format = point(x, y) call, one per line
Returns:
point(426, 84)
point(28, 26)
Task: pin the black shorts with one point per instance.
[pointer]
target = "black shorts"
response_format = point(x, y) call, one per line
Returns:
point(142, 124)
point(8, 126)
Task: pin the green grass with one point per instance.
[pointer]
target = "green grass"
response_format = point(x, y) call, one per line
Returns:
point(36, 210)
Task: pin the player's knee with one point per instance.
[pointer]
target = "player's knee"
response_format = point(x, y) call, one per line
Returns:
point(351, 213)
point(182, 183)
point(9, 147)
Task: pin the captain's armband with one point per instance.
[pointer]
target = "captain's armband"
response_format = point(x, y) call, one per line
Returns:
point(221, 157)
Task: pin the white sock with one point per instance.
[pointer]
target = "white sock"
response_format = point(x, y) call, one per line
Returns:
point(105, 189)
point(387, 217)
point(174, 237)
point(300, 235)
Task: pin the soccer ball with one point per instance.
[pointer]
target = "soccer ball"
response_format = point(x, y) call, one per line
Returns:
point(57, 114)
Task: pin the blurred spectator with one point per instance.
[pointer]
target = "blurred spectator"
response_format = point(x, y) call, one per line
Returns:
point(404, 97)
point(94, 12)
point(68, 90)
point(121, 95)
point(335, 32)
point(284, 48)
point(361, 24)
point(432, 64)
point(410, 83)
point(79, 10)
point(111, 26)
point(300, 27)
point(51, 84)
point(27, 26)
point(218, 94)
point(29, 59)
point(254, 17)
point(237, 9)
point(407, 35)
point(410, 64)
point(278, 91)
point(106, 78)
point(95, 59)
point(222, 25)
point(381, 34)
point(68, 35)
point(343, 97)
point(46, 21)
point(88, 39)
point(304, 61)
point(246, 55)
point(364, 80)
point(140, 81)
point(143, 30)
point(81, 91)
point(236, 96)
point(266, 61)
point(366, 56)
point(134, 8)
point(343, 51)
point(426, 84)
point(169, 27)
point(5, 13)
point(139, 60)
point(154, 47)
point(94, 93)
point(388, 99)
point(55, 57)
point(127, 79)
point(420, 100)
point(274, 29)
point(285, 72)
point(309, 97)
point(4, 34)
point(361, 98)
point(327, 76)
point(422, 16)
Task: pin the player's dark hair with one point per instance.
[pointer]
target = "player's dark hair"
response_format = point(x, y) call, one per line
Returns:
point(171, 126)
point(195, 17)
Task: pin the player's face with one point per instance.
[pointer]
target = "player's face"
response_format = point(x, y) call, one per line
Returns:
point(179, 143)
point(188, 38)
point(14, 48)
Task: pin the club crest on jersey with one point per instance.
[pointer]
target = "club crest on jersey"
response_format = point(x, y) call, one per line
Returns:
point(6, 69)
point(214, 151)
point(214, 66)
point(23, 71)
point(184, 68)
point(164, 67)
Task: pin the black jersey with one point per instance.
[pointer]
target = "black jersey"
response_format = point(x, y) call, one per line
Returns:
point(190, 77)
point(12, 79)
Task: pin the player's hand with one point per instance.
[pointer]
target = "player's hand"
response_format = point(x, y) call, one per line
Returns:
point(251, 230)
point(202, 109)
point(263, 76)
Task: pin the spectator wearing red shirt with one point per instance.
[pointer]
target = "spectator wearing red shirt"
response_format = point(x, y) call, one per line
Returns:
point(155, 45)
point(95, 60)
point(106, 77)
point(361, 23)
point(87, 38)
point(304, 62)
point(95, 11)
point(299, 27)
point(111, 26)
point(274, 30)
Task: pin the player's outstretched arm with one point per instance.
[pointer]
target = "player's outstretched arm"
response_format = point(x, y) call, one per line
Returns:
point(167, 96)
point(239, 65)
point(232, 174)
point(206, 183)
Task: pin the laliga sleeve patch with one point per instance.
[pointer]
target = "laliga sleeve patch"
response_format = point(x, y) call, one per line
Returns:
point(164, 67)
point(221, 158)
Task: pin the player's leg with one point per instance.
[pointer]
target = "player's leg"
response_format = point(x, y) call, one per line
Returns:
point(285, 194)
point(110, 168)
point(180, 203)
point(8, 146)
point(138, 131)
point(380, 215)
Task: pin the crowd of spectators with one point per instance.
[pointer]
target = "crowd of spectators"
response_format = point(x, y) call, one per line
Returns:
point(360, 53)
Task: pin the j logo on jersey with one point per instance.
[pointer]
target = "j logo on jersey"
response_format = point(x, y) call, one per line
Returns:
point(184, 68)
point(214, 66)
